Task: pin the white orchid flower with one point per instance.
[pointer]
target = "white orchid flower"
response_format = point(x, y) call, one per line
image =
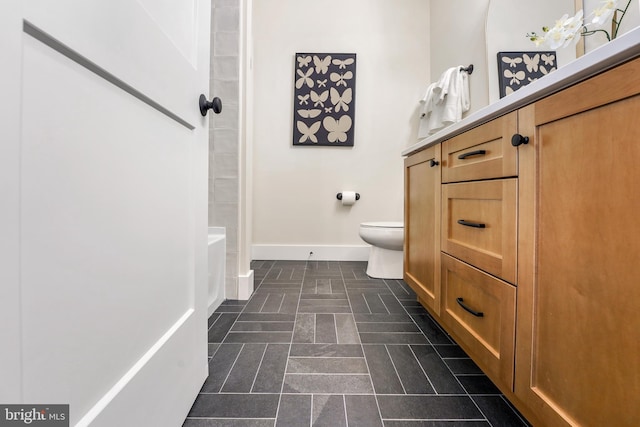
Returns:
point(602, 13)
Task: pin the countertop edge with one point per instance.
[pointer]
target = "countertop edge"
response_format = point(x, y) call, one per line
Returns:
point(618, 51)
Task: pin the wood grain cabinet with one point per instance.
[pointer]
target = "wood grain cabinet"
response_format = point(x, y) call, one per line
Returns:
point(578, 334)
point(545, 296)
point(422, 226)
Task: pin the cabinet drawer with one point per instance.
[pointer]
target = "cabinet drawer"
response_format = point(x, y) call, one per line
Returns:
point(482, 153)
point(479, 225)
point(486, 327)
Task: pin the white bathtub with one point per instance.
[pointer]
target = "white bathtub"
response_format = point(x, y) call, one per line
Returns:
point(216, 267)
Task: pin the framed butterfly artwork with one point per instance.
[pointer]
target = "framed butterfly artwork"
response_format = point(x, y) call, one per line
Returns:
point(518, 69)
point(324, 99)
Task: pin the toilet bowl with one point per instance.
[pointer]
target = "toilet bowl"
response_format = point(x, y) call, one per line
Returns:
point(386, 256)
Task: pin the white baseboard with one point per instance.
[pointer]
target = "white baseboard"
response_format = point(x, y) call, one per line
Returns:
point(245, 285)
point(301, 252)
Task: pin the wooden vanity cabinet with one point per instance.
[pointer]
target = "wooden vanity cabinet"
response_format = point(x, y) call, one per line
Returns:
point(422, 226)
point(575, 276)
point(578, 310)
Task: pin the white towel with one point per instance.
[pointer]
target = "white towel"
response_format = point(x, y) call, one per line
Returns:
point(444, 101)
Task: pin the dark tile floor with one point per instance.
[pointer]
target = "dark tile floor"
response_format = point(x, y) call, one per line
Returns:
point(321, 344)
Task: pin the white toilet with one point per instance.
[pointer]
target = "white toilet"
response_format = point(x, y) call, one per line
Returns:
point(386, 240)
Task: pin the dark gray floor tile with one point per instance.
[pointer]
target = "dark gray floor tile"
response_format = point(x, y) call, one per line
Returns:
point(392, 338)
point(327, 365)
point(388, 327)
point(291, 286)
point(478, 384)
point(255, 303)
point(321, 303)
point(413, 379)
point(219, 367)
point(240, 379)
point(428, 407)
point(258, 337)
point(328, 411)
point(439, 374)
point(410, 303)
point(324, 309)
point(325, 329)
point(212, 348)
point(392, 305)
point(337, 286)
point(416, 309)
point(499, 412)
point(290, 303)
point(273, 303)
point(325, 383)
point(387, 318)
point(423, 423)
point(323, 286)
point(383, 373)
point(228, 422)
point(262, 327)
point(221, 327)
point(366, 285)
point(447, 351)
point(346, 330)
point(305, 328)
point(362, 411)
point(375, 304)
point(295, 410)
point(266, 317)
point(431, 329)
point(358, 303)
point(463, 366)
point(332, 296)
point(212, 319)
point(271, 372)
point(229, 309)
point(235, 406)
point(326, 350)
point(401, 290)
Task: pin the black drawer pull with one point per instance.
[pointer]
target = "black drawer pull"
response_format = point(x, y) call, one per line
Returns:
point(472, 153)
point(475, 313)
point(433, 163)
point(471, 224)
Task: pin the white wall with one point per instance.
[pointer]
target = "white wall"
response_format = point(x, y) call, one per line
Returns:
point(294, 188)
point(630, 21)
point(459, 39)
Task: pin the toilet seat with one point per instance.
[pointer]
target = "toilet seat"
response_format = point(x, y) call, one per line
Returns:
point(383, 224)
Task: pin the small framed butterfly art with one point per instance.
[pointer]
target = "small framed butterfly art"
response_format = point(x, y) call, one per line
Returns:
point(324, 99)
point(518, 69)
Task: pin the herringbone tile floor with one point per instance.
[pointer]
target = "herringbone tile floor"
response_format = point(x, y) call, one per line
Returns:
point(322, 344)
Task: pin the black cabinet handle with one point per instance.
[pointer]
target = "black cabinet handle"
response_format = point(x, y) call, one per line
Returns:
point(472, 153)
point(433, 163)
point(518, 139)
point(475, 313)
point(471, 224)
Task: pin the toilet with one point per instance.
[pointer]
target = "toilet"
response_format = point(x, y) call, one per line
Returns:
point(386, 256)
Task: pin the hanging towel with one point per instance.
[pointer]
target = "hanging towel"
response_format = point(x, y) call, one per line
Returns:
point(444, 101)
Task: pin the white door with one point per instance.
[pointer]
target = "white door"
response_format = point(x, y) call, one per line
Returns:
point(103, 180)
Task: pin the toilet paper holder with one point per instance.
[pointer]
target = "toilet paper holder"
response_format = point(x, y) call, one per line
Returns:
point(339, 196)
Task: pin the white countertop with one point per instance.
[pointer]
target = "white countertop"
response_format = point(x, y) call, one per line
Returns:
point(606, 56)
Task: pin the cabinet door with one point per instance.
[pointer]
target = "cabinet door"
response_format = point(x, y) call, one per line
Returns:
point(578, 330)
point(422, 229)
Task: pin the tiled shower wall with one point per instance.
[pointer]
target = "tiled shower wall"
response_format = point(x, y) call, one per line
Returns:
point(225, 130)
